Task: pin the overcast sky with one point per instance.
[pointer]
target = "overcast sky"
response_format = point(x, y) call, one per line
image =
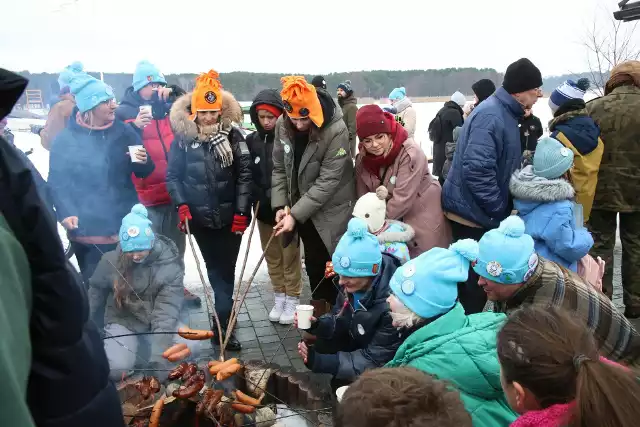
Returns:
point(285, 36)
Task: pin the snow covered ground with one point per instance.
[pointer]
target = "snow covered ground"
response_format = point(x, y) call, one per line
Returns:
point(40, 157)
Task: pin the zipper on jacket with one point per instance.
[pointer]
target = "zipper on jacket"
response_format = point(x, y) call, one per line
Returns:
point(166, 154)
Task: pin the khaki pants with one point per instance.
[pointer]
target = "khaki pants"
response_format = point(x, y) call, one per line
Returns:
point(283, 263)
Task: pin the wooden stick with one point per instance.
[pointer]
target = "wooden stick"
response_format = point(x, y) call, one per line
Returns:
point(232, 320)
point(234, 307)
point(208, 299)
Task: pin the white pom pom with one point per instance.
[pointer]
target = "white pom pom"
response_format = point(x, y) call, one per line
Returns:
point(357, 228)
point(139, 209)
point(382, 192)
point(468, 248)
point(512, 226)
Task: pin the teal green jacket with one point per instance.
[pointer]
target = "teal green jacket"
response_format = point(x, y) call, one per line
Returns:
point(461, 350)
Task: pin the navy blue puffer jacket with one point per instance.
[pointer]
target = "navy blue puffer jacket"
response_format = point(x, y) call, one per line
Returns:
point(488, 152)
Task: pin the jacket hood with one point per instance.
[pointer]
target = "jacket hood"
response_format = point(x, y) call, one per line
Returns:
point(164, 252)
point(270, 97)
point(113, 132)
point(579, 128)
point(525, 185)
point(458, 349)
point(379, 291)
point(404, 236)
point(181, 110)
point(348, 100)
point(454, 106)
point(11, 87)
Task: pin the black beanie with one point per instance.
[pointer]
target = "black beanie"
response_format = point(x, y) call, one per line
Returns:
point(318, 81)
point(483, 89)
point(522, 76)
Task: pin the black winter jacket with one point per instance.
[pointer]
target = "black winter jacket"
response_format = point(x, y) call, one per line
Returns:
point(195, 176)
point(260, 145)
point(69, 381)
point(361, 339)
point(530, 131)
point(441, 131)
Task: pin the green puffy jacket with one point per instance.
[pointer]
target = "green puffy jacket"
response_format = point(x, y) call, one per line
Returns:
point(461, 350)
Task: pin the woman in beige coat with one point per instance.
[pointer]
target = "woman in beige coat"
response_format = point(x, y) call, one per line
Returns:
point(389, 157)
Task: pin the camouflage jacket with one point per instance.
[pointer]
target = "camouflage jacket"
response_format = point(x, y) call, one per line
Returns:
point(618, 116)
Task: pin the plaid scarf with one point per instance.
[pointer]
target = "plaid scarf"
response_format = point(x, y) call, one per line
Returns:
point(217, 139)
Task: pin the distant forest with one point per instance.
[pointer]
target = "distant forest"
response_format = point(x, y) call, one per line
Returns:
point(369, 84)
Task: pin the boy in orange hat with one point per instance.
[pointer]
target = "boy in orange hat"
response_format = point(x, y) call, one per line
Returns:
point(209, 180)
point(312, 174)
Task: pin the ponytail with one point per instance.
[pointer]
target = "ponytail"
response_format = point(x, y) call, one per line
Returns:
point(607, 395)
point(556, 359)
point(122, 281)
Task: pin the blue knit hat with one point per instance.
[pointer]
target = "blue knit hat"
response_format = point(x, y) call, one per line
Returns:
point(68, 73)
point(357, 253)
point(506, 254)
point(551, 159)
point(567, 91)
point(135, 232)
point(147, 73)
point(398, 93)
point(89, 91)
point(428, 284)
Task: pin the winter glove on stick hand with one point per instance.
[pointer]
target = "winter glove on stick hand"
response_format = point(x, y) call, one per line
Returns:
point(240, 223)
point(184, 214)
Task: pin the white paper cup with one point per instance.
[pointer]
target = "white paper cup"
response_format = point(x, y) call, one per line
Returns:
point(340, 392)
point(146, 108)
point(304, 316)
point(133, 149)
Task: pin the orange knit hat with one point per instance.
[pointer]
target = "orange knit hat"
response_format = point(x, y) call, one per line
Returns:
point(301, 99)
point(207, 95)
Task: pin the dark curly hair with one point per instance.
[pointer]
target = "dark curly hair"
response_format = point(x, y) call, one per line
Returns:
point(400, 397)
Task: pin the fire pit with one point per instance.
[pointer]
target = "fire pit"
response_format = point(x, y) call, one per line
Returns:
point(257, 394)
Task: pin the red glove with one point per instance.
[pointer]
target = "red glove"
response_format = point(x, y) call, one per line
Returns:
point(328, 270)
point(184, 214)
point(240, 223)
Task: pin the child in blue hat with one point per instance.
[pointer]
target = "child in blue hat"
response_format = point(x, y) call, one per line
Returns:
point(405, 113)
point(358, 333)
point(137, 288)
point(443, 341)
point(544, 198)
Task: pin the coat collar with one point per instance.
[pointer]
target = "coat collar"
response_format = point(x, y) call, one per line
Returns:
point(509, 102)
point(525, 185)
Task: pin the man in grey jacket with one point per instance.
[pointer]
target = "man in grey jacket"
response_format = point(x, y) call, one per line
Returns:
point(313, 174)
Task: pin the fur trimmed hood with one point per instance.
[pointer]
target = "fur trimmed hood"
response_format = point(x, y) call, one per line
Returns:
point(525, 185)
point(181, 110)
point(393, 236)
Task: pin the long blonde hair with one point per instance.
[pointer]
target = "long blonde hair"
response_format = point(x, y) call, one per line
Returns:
point(123, 281)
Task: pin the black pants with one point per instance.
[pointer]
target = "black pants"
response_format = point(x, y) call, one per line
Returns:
point(88, 257)
point(472, 297)
point(316, 256)
point(219, 250)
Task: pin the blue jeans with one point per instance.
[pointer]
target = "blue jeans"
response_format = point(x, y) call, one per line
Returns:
point(220, 249)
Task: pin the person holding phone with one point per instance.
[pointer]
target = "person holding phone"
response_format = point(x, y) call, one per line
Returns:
point(90, 172)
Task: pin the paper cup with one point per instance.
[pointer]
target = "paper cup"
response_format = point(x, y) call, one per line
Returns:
point(340, 392)
point(133, 149)
point(146, 108)
point(304, 316)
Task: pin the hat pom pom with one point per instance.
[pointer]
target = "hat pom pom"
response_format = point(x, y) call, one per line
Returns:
point(139, 209)
point(513, 226)
point(467, 248)
point(382, 192)
point(348, 82)
point(583, 84)
point(357, 228)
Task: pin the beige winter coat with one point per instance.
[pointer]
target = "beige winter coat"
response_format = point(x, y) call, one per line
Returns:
point(324, 189)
